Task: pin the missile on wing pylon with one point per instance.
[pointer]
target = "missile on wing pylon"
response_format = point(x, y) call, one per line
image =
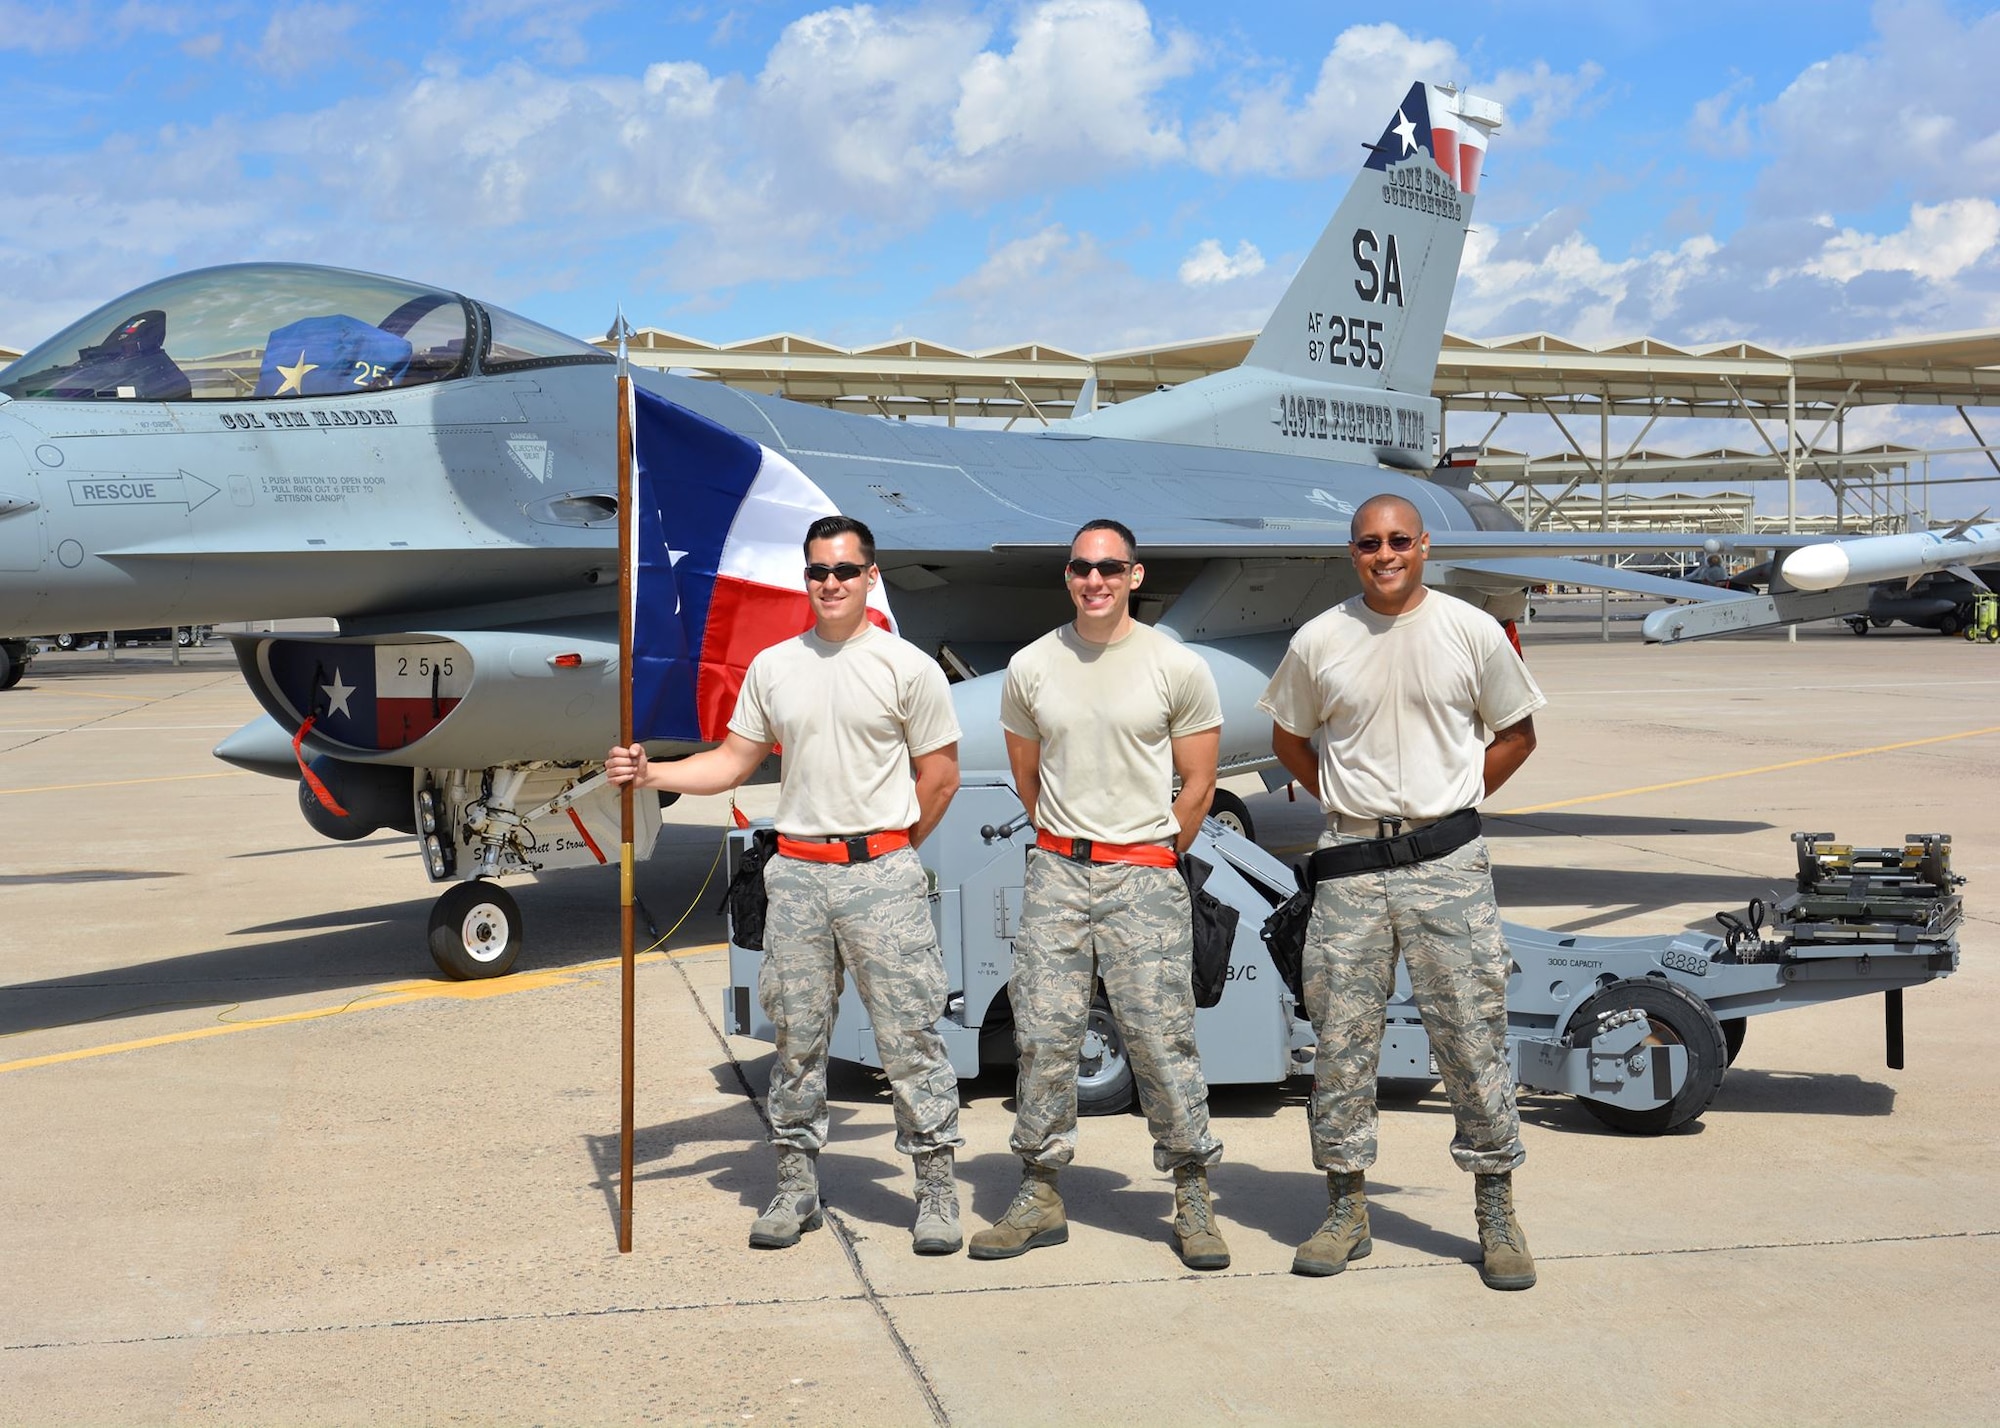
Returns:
point(1866, 559)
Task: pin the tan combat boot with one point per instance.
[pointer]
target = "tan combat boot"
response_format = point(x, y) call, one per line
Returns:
point(1035, 1218)
point(937, 1229)
point(1507, 1264)
point(1345, 1235)
point(795, 1207)
point(1196, 1239)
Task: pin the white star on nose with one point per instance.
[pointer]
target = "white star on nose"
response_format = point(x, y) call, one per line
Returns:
point(336, 696)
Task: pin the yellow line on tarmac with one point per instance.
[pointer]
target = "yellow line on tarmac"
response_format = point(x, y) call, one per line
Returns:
point(1747, 773)
point(124, 782)
point(394, 995)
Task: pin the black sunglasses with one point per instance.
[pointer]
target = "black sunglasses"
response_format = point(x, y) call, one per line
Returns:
point(1109, 569)
point(843, 572)
point(1368, 545)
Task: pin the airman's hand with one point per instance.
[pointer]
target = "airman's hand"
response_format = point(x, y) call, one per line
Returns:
point(623, 766)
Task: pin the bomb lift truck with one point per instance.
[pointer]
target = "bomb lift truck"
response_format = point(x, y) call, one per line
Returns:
point(1640, 1029)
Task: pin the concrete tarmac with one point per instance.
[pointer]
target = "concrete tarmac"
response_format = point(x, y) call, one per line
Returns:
point(260, 1166)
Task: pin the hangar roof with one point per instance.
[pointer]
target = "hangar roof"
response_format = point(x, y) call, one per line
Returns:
point(1638, 377)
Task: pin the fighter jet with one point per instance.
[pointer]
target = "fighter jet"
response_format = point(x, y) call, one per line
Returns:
point(437, 474)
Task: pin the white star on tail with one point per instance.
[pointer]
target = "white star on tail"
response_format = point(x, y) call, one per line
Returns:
point(1406, 130)
point(336, 696)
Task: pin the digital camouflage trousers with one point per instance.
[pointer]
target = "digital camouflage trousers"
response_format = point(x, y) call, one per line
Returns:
point(1441, 917)
point(873, 920)
point(1130, 926)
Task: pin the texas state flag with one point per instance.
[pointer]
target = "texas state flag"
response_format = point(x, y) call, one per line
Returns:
point(721, 525)
point(1428, 119)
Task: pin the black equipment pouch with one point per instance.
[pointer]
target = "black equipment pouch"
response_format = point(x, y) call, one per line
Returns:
point(1214, 932)
point(1284, 934)
point(1344, 860)
point(1285, 929)
point(745, 899)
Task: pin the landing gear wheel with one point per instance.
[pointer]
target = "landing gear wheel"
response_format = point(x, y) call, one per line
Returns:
point(1104, 1070)
point(11, 669)
point(1232, 813)
point(1859, 624)
point(1678, 1017)
point(475, 931)
point(1950, 625)
point(65, 642)
point(183, 636)
point(1880, 622)
point(1734, 1029)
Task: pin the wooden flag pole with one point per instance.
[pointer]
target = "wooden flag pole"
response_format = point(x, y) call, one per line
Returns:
point(628, 961)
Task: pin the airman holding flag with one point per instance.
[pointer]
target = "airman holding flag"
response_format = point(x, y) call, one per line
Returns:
point(870, 762)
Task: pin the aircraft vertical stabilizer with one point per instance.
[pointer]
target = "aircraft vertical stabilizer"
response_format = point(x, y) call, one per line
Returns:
point(1388, 261)
point(1343, 369)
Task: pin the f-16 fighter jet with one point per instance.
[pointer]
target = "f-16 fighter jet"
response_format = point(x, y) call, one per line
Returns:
point(437, 474)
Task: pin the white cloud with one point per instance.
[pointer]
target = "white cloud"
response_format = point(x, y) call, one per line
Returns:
point(553, 28)
point(1266, 134)
point(302, 37)
point(1209, 264)
point(1941, 241)
point(1082, 79)
point(1070, 289)
point(1915, 111)
point(1720, 124)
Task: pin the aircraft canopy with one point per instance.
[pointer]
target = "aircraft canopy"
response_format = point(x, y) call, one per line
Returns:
point(272, 331)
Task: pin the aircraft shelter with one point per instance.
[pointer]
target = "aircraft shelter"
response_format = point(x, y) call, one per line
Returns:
point(1793, 405)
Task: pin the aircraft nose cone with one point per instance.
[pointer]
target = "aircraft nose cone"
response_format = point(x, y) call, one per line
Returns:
point(1817, 567)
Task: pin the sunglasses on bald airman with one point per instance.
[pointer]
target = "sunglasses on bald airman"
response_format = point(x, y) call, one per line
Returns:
point(1368, 545)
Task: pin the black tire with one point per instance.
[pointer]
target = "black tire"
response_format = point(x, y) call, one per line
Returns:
point(1880, 622)
point(1734, 1029)
point(1677, 1016)
point(1232, 813)
point(475, 931)
point(11, 669)
point(1951, 624)
point(183, 636)
point(1859, 624)
point(66, 642)
point(1104, 1084)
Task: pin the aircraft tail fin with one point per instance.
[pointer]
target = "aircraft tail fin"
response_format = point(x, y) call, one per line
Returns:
point(1368, 306)
point(1343, 370)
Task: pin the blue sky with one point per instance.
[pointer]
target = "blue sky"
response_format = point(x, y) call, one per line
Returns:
point(1093, 173)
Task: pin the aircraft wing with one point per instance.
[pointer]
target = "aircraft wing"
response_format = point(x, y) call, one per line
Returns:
point(1599, 577)
point(1239, 536)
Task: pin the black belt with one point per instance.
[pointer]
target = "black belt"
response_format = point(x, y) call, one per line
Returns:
point(1344, 860)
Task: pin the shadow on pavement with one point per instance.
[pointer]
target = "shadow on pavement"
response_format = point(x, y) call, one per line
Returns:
point(570, 917)
point(1623, 893)
point(1614, 825)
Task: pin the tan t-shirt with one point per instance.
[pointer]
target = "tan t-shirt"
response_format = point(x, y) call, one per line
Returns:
point(1106, 716)
point(849, 717)
point(1401, 705)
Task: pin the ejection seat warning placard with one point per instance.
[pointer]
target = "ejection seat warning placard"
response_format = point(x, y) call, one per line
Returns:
point(319, 488)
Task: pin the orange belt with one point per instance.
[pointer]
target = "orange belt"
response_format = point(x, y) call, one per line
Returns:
point(862, 848)
point(1082, 850)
